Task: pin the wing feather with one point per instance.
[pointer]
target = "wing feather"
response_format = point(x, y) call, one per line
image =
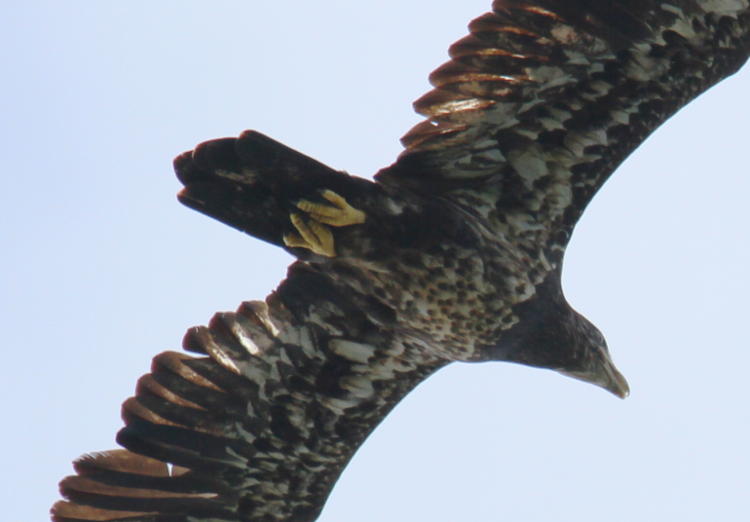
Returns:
point(544, 99)
point(261, 425)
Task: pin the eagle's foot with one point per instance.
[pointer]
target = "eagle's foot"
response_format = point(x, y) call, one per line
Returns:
point(313, 233)
point(340, 214)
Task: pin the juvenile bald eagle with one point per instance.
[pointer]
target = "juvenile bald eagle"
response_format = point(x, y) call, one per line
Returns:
point(453, 253)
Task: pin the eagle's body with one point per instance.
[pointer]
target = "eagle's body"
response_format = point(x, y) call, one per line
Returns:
point(454, 252)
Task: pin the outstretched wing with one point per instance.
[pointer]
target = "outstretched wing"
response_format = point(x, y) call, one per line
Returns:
point(261, 425)
point(545, 98)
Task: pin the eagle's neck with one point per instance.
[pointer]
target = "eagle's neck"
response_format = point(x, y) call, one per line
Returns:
point(548, 333)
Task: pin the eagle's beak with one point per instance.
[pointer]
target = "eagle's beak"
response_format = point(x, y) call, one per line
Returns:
point(603, 373)
point(615, 381)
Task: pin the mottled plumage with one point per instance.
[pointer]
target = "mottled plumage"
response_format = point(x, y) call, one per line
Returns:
point(453, 253)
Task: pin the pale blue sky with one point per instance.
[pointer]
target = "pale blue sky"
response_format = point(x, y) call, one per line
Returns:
point(102, 268)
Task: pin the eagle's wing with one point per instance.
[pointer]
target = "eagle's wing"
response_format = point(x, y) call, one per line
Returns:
point(545, 98)
point(261, 425)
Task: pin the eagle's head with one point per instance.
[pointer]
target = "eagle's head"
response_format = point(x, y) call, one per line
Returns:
point(589, 358)
point(551, 334)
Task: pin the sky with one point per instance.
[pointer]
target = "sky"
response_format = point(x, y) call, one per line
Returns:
point(102, 268)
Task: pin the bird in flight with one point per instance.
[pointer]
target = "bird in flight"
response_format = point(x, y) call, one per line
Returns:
point(453, 253)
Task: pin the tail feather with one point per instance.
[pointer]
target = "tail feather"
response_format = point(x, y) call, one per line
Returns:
point(253, 182)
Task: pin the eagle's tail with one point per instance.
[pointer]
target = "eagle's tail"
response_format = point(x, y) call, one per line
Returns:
point(253, 183)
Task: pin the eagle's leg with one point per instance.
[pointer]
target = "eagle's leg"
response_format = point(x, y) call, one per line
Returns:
point(313, 233)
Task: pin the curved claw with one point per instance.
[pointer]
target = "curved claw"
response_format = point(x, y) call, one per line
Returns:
point(313, 233)
point(340, 214)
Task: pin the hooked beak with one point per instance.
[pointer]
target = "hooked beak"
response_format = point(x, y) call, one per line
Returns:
point(603, 374)
point(615, 382)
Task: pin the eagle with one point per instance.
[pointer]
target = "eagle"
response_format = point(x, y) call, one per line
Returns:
point(453, 253)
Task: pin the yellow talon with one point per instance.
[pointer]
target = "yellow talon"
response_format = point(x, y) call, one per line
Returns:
point(341, 214)
point(313, 233)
